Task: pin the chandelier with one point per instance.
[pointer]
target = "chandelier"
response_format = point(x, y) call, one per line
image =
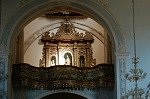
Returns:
point(135, 74)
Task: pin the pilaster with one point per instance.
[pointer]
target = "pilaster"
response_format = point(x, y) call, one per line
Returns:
point(121, 60)
point(3, 71)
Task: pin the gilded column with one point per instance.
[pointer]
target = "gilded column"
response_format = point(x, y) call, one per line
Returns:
point(46, 56)
point(75, 54)
point(58, 51)
point(87, 57)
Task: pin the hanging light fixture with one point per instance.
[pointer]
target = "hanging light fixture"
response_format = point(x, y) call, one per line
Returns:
point(135, 74)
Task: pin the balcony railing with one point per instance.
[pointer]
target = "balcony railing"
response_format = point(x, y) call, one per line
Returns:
point(63, 77)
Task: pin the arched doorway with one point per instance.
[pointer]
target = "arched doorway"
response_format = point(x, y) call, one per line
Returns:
point(25, 15)
point(63, 95)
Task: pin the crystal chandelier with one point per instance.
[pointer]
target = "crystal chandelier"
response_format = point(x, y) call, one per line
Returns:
point(135, 74)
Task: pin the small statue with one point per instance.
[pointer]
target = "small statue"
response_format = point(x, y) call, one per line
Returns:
point(67, 60)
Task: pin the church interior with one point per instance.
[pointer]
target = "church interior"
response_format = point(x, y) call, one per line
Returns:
point(72, 49)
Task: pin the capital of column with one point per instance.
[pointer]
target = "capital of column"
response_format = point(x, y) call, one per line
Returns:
point(122, 55)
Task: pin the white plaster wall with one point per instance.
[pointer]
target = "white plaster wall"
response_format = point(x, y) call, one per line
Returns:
point(98, 51)
point(33, 54)
point(36, 25)
point(122, 10)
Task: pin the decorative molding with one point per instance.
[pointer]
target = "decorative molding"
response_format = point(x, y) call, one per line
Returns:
point(67, 32)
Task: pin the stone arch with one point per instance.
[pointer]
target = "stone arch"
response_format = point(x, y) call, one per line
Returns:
point(31, 10)
point(86, 95)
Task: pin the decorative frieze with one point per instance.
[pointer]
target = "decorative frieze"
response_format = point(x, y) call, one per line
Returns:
point(63, 77)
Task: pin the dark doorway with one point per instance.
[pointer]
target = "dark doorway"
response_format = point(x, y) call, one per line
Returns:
point(63, 95)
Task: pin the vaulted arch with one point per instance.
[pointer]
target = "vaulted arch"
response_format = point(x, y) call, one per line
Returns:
point(33, 9)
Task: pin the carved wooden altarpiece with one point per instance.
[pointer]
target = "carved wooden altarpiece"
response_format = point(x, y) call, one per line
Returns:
point(67, 47)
